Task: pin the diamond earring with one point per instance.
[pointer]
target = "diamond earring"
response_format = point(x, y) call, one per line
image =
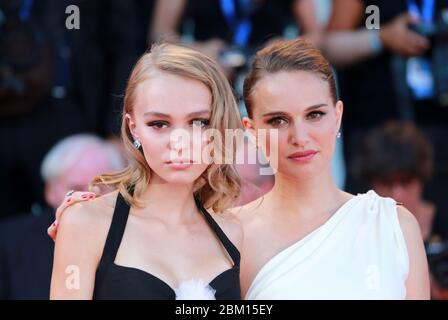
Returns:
point(137, 144)
point(338, 135)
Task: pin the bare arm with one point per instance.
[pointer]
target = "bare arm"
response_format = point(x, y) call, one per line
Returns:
point(167, 15)
point(305, 14)
point(417, 284)
point(76, 255)
point(343, 48)
point(342, 45)
point(346, 14)
point(310, 27)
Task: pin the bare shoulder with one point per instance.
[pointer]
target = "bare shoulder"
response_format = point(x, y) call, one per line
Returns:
point(88, 219)
point(411, 232)
point(91, 210)
point(408, 224)
point(417, 283)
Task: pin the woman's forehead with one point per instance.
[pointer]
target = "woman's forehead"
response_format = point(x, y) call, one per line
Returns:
point(172, 95)
point(297, 90)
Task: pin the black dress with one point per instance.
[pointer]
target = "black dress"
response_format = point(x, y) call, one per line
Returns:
point(119, 282)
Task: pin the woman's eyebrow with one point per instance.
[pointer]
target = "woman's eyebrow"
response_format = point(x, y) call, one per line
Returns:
point(275, 113)
point(282, 113)
point(199, 113)
point(156, 114)
point(316, 106)
point(164, 115)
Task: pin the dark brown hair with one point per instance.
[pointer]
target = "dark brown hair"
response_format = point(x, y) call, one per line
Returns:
point(287, 55)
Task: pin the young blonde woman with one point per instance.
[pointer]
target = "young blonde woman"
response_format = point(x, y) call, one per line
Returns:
point(306, 238)
point(153, 237)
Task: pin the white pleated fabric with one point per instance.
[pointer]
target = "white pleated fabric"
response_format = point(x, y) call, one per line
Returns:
point(359, 253)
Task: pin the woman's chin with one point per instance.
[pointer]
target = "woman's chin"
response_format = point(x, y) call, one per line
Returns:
point(180, 178)
point(301, 173)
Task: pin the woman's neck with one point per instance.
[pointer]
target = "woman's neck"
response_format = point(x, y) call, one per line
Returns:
point(310, 198)
point(173, 203)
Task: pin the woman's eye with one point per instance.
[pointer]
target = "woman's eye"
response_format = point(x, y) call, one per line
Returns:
point(158, 124)
point(315, 115)
point(200, 122)
point(277, 121)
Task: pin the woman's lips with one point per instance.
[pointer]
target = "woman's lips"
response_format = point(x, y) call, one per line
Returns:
point(180, 164)
point(302, 156)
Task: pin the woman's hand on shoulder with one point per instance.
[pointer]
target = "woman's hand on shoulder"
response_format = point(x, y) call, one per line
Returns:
point(69, 200)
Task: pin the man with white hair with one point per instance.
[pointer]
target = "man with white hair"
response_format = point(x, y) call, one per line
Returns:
point(26, 252)
point(72, 163)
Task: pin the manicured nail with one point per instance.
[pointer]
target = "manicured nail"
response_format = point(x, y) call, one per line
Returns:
point(92, 196)
point(69, 199)
point(84, 196)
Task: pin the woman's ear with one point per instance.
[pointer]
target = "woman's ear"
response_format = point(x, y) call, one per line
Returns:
point(248, 125)
point(339, 111)
point(131, 125)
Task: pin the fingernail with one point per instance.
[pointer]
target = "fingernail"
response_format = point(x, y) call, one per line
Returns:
point(92, 196)
point(69, 199)
point(84, 196)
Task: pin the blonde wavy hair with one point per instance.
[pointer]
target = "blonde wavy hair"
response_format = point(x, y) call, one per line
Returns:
point(219, 186)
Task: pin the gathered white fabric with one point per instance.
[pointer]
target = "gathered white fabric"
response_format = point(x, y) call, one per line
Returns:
point(359, 253)
point(194, 290)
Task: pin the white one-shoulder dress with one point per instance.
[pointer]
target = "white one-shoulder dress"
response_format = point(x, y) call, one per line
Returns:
point(359, 253)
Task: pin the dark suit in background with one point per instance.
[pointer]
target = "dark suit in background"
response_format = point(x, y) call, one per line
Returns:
point(26, 256)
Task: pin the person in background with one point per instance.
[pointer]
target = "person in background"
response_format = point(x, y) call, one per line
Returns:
point(220, 27)
point(26, 253)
